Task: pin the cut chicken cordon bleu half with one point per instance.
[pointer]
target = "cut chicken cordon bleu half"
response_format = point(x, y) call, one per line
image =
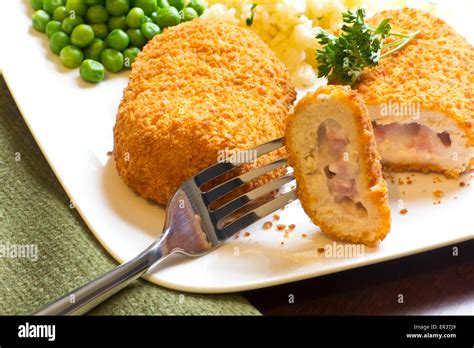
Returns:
point(331, 147)
point(420, 99)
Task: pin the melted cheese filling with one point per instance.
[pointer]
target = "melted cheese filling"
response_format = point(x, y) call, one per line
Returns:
point(412, 143)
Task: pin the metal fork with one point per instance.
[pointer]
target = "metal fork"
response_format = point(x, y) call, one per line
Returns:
point(192, 228)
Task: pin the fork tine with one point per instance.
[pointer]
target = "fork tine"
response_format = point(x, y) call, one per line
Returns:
point(258, 213)
point(242, 200)
point(220, 168)
point(229, 185)
point(268, 146)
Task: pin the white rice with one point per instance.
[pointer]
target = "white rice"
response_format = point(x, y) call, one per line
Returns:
point(289, 26)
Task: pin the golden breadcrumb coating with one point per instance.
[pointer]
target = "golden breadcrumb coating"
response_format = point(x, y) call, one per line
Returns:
point(435, 69)
point(197, 88)
point(369, 164)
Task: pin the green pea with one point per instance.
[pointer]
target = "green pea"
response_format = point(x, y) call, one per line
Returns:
point(97, 14)
point(95, 2)
point(77, 7)
point(51, 5)
point(149, 30)
point(71, 56)
point(39, 20)
point(117, 7)
point(148, 20)
point(148, 6)
point(36, 4)
point(118, 39)
point(178, 4)
point(112, 60)
point(136, 37)
point(188, 14)
point(130, 54)
point(168, 17)
point(52, 27)
point(101, 30)
point(198, 6)
point(58, 41)
point(59, 13)
point(153, 16)
point(82, 35)
point(135, 17)
point(162, 3)
point(69, 23)
point(117, 22)
point(92, 71)
point(95, 49)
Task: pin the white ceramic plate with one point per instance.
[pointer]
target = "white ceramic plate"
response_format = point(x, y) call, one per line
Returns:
point(72, 122)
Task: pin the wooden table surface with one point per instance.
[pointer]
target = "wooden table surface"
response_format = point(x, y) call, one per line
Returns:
point(435, 282)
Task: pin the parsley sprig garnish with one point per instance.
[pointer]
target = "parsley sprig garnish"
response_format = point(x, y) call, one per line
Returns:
point(249, 21)
point(343, 58)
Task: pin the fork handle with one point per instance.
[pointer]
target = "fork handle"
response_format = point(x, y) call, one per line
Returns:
point(88, 296)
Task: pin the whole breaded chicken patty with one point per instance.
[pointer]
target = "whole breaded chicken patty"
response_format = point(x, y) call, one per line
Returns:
point(198, 88)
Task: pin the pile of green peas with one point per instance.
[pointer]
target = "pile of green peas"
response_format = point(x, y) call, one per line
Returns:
point(99, 35)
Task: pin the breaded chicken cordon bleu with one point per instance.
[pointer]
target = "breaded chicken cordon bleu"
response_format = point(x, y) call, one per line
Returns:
point(196, 90)
point(331, 147)
point(420, 99)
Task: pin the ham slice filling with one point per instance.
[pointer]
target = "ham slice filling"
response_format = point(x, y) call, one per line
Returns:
point(340, 172)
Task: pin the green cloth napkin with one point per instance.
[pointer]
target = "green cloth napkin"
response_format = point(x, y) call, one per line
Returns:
point(34, 209)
